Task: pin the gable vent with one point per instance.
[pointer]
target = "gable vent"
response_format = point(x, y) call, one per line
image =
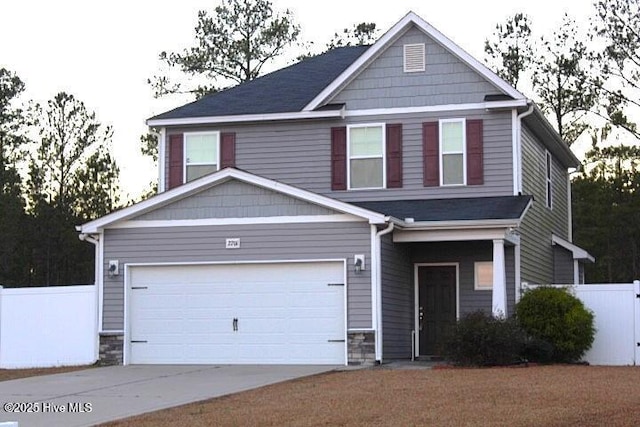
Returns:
point(413, 57)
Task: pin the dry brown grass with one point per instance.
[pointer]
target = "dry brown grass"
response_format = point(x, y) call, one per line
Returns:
point(533, 396)
point(14, 374)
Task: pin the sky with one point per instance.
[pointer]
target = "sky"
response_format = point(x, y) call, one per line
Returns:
point(103, 52)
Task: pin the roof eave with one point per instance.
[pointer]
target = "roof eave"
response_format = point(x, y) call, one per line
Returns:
point(294, 115)
point(562, 148)
point(459, 224)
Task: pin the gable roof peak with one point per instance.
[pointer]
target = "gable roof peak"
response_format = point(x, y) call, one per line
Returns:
point(392, 35)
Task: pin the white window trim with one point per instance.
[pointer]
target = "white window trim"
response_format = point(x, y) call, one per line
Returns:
point(184, 152)
point(441, 153)
point(384, 155)
point(548, 175)
point(476, 285)
point(424, 57)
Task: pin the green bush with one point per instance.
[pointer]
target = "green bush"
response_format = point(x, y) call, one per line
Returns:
point(479, 339)
point(554, 316)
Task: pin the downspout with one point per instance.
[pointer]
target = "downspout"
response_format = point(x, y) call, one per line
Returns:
point(519, 144)
point(95, 240)
point(378, 279)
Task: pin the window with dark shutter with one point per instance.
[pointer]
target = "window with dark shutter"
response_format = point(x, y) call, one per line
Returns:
point(394, 156)
point(175, 160)
point(475, 162)
point(431, 173)
point(339, 158)
point(227, 150)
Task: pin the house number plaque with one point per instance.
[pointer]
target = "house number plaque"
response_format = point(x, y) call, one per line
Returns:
point(233, 243)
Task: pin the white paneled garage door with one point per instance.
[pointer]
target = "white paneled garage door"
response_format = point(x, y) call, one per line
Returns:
point(280, 313)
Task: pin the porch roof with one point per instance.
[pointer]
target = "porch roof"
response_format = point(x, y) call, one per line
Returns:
point(465, 209)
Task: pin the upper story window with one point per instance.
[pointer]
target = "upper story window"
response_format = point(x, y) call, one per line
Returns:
point(201, 154)
point(453, 152)
point(414, 57)
point(366, 156)
point(548, 172)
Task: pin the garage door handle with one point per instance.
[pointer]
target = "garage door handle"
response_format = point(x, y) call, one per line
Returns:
point(235, 324)
point(335, 340)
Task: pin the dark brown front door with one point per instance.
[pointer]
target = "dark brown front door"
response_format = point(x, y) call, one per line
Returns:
point(437, 306)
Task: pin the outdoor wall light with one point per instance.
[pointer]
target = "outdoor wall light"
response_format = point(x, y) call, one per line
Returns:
point(358, 263)
point(114, 269)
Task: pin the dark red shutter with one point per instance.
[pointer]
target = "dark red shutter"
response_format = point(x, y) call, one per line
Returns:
point(394, 156)
point(430, 149)
point(175, 160)
point(339, 158)
point(474, 153)
point(227, 150)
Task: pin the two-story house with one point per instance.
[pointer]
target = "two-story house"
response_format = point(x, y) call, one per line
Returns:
point(346, 209)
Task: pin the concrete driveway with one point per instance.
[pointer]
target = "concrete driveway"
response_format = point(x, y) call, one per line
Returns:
point(97, 395)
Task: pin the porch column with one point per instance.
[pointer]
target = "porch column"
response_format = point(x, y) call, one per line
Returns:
point(499, 295)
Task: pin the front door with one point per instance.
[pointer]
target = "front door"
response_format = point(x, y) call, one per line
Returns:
point(436, 306)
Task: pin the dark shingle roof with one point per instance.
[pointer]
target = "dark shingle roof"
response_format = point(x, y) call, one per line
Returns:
point(285, 90)
point(468, 209)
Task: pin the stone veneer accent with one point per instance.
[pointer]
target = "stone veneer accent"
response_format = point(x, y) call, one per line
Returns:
point(361, 349)
point(111, 348)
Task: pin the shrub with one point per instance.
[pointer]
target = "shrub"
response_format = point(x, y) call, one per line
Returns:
point(479, 339)
point(555, 316)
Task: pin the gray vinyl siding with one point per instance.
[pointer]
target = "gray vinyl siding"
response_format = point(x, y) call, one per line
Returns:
point(510, 275)
point(466, 254)
point(562, 266)
point(540, 222)
point(397, 299)
point(384, 84)
point(235, 199)
point(299, 154)
point(258, 243)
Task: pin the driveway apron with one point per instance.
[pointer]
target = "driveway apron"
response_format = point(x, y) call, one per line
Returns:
point(92, 396)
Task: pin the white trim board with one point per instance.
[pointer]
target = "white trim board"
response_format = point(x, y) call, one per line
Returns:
point(489, 105)
point(300, 219)
point(577, 252)
point(294, 115)
point(221, 176)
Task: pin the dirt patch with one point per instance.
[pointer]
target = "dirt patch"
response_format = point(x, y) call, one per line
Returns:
point(14, 374)
point(542, 395)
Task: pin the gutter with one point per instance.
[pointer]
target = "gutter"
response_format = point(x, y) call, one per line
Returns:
point(519, 118)
point(378, 289)
point(296, 115)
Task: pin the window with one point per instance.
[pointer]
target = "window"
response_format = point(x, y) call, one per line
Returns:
point(483, 276)
point(549, 163)
point(200, 154)
point(453, 148)
point(366, 148)
point(414, 57)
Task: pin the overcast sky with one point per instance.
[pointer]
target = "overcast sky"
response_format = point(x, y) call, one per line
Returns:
point(104, 51)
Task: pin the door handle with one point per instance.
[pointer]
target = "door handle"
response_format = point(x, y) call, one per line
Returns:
point(235, 324)
point(420, 317)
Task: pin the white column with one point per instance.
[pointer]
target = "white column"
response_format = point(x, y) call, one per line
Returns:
point(499, 295)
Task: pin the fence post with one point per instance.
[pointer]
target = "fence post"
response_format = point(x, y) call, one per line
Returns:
point(636, 319)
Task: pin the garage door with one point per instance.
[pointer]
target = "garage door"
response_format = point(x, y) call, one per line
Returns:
point(282, 313)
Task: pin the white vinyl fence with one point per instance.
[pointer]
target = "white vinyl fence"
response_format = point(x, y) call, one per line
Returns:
point(616, 308)
point(51, 326)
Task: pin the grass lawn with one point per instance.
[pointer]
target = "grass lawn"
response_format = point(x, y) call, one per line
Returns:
point(14, 374)
point(533, 396)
